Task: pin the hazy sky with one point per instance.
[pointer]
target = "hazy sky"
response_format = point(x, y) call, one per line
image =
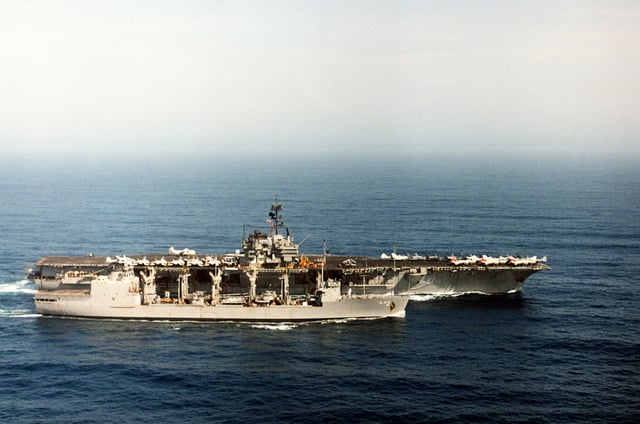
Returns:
point(250, 77)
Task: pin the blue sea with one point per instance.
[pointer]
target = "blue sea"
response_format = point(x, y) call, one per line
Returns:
point(567, 349)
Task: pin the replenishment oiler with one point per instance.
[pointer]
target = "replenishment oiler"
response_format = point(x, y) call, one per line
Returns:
point(267, 280)
point(252, 285)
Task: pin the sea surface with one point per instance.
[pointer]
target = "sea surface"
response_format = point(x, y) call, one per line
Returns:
point(567, 349)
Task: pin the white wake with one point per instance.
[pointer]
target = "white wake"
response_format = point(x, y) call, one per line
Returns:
point(22, 286)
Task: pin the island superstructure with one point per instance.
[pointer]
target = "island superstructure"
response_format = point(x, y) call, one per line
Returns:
point(268, 279)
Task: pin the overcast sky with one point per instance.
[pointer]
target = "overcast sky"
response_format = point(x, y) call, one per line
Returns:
point(384, 77)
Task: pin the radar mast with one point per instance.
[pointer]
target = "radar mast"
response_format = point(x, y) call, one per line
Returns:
point(276, 215)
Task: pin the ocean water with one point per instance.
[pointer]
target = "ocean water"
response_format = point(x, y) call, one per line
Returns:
point(567, 349)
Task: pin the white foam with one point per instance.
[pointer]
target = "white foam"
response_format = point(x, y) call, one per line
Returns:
point(275, 327)
point(22, 286)
point(18, 313)
point(430, 297)
point(25, 316)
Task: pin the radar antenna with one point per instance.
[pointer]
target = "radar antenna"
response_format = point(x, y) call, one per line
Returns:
point(276, 215)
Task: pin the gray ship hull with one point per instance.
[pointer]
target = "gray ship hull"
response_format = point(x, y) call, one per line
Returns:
point(444, 280)
point(494, 280)
point(70, 303)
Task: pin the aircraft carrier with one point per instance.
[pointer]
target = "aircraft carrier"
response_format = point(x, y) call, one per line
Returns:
point(270, 256)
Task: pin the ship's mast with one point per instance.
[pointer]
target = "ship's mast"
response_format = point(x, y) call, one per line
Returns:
point(276, 215)
point(324, 259)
